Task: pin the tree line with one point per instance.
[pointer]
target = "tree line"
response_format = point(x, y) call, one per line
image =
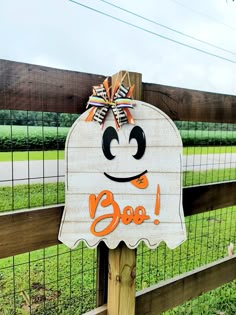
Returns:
point(30, 118)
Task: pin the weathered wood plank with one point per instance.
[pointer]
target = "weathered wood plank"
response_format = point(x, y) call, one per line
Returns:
point(29, 87)
point(204, 198)
point(158, 134)
point(39, 228)
point(168, 294)
point(121, 281)
point(130, 78)
point(102, 260)
point(101, 310)
point(26, 230)
point(191, 105)
point(176, 291)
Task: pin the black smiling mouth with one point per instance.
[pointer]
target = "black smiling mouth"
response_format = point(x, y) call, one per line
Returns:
point(124, 179)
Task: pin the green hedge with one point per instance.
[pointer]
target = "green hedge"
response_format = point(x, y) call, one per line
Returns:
point(208, 138)
point(20, 138)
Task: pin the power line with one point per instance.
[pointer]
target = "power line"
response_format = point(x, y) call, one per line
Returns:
point(151, 32)
point(167, 27)
point(203, 14)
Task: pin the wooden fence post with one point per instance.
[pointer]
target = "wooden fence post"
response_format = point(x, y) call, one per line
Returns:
point(102, 274)
point(121, 281)
point(122, 260)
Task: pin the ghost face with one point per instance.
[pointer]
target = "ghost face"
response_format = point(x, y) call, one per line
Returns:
point(124, 184)
point(136, 133)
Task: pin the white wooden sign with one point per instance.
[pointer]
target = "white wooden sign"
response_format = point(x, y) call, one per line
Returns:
point(124, 184)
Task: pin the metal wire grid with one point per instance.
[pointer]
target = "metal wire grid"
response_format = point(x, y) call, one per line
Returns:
point(49, 281)
point(28, 180)
point(59, 281)
point(37, 178)
point(209, 235)
point(209, 153)
point(56, 280)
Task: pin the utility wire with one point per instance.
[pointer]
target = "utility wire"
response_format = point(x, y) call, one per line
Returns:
point(167, 27)
point(151, 32)
point(203, 14)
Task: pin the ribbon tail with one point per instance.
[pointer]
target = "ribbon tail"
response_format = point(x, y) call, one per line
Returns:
point(116, 86)
point(129, 116)
point(91, 114)
point(117, 124)
point(106, 86)
point(129, 94)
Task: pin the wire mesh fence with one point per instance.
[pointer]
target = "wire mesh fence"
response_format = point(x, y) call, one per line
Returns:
point(56, 280)
point(49, 281)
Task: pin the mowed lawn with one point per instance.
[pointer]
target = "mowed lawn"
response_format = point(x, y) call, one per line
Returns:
point(31, 155)
point(57, 280)
point(38, 195)
point(59, 154)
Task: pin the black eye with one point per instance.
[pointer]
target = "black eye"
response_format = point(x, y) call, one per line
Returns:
point(138, 134)
point(108, 135)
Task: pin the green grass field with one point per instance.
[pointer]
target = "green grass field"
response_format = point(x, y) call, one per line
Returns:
point(57, 280)
point(209, 176)
point(37, 195)
point(54, 155)
point(209, 150)
point(31, 155)
point(15, 131)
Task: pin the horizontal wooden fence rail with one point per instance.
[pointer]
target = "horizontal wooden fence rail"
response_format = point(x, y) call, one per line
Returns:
point(37, 88)
point(197, 199)
point(191, 105)
point(176, 291)
point(38, 228)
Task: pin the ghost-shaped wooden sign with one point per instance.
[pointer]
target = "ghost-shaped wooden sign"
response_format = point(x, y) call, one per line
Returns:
point(123, 177)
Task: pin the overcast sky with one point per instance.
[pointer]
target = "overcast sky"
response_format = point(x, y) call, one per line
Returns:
point(61, 34)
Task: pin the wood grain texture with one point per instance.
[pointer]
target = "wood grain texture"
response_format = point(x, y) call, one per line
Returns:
point(114, 255)
point(173, 292)
point(90, 173)
point(29, 87)
point(168, 165)
point(178, 290)
point(39, 228)
point(101, 310)
point(130, 78)
point(159, 133)
point(191, 105)
point(26, 230)
point(121, 281)
point(203, 198)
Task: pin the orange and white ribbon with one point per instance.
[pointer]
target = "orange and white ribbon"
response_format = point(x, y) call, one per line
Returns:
point(119, 102)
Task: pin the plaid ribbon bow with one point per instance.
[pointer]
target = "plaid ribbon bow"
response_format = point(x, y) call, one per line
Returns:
point(119, 102)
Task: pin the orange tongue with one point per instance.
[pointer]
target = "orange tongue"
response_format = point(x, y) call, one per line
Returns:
point(141, 182)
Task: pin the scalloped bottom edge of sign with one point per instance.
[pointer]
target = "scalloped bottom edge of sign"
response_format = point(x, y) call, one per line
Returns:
point(114, 244)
